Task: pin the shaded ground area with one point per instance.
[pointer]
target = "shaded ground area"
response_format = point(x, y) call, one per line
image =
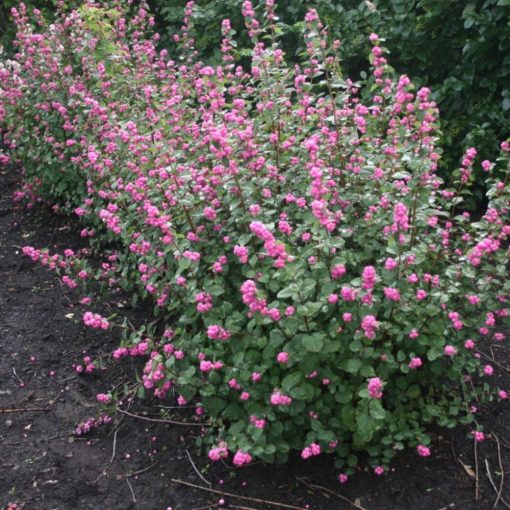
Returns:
point(131, 463)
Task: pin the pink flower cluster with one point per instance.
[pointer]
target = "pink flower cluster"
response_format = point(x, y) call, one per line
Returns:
point(216, 332)
point(94, 320)
point(423, 451)
point(369, 325)
point(375, 386)
point(249, 296)
point(242, 253)
point(204, 302)
point(241, 458)
point(368, 277)
point(92, 423)
point(311, 451)
point(220, 452)
point(274, 249)
point(279, 399)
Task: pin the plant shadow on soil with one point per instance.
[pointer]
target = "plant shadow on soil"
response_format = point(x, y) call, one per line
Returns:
point(131, 464)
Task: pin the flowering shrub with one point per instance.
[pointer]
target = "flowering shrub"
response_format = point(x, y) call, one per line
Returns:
point(322, 290)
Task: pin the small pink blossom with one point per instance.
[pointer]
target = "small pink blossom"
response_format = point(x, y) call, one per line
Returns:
point(423, 451)
point(375, 386)
point(450, 350)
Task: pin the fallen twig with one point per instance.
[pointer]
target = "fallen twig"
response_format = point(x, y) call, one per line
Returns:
point(237, 496)
point(477, 479)
point(501, 498)
point(17, 376)
point(160, 420)
point(24, 409)
point(333, 493)
point(114, 448)
point(140, 471)
point(130, 488)
point(486, 356)
point(502, 470)
point(197, 471)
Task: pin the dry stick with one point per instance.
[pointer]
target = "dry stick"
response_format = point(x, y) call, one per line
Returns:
point(159, 420)
point(131, 489)
point(114, 448)
point(329, 491)
point(230, 495)
point(494, 361)
point(16, 375)
point(197, 471)
point(493, 484)
point(139, 472)
point(24, 409)
point(26, 397)
point(477, 480)
point(502, 470)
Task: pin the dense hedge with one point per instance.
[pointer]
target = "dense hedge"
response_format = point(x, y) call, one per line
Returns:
point(317, 286)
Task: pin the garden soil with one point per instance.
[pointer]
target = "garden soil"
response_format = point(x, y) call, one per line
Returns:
point(140, 464)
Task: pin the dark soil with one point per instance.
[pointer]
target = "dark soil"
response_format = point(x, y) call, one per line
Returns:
point(131, 463)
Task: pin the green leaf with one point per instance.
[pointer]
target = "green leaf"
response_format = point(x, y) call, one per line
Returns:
point(351, 365)
point(313, 343)
point(376, 409)
point(364, 429)
point(291, 380)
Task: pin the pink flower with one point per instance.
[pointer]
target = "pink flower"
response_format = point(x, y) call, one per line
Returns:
point(289, 311)
point(423, 451)
point(348, 294)
point(310, 451)
point(242, 253)
point(375, 387)
point(278, 399)
point(343, 478)
point(390, 264)
point(94, 320)
point(103, 398)
point(391, 294)
point(216, 332)
point(379, 470)
point(502, 394)
point(414, 334)
point(369, 324)
point(337, 271)
point(478, 436)
point(218, 453)
point(469, 344)
point(241, 458)
point(421, 294)
point(368, 277)
point(415, 363)
point(488, 370)
point(282, 358)
point(450, 350)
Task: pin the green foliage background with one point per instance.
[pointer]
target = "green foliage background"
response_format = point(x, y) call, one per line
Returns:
point(459, 48)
